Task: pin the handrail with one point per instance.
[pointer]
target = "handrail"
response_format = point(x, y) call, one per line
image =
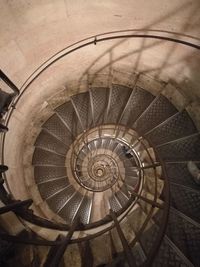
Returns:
point(16, 205)
point(127, 250)
point(94, 40)
point(163, 224)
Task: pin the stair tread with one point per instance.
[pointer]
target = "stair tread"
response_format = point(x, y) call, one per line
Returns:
point(185, 235)
point(85, 210)
point(69, 117)
point(50, 188)
point(117, 102)
point(70, 209)
point(188, 202)
point(158, 111)
point(114, 203)
point(46, 141)
point(139, 101)
point(42, 157)
point(57, 201)
point(47, 173)
point(82, 103)
point(123, 199)
point(99, 98)
point(174, 128)
point(56, 127)
point(179, 173)
point(167, 256)
point(149, 236)
point(181, 150)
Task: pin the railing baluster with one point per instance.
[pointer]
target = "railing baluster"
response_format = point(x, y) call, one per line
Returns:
point(28, 241)
point(9, 82)
point(112, 245)
point(52, 252)
point(4, 196)
point(16, 206)
point(87, 259)
point(151, 202)
point(61, 249)
point(3, 128)
point(127, 249)
point(3, 168)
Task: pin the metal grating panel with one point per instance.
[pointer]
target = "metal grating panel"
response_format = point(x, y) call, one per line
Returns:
point(139, 101)
point(84, 211)
point(46, 173)
point(149, 236)
point(138, 254)
point(57, 201)
point(186, 201)
point(68, 115)
point(181, 150)
point(55, 126)
point(119, 98)
point(114, 203)
point(50, 188)
point(167, 256)
point(99, 100)
point(159, 111)
point(121, 198)
point(178, 173)
point(176, 127)
point(157, 217)
point(185, 235)
point(71, 208)
point(42, 157)
point(82, 103)
point(49, 142)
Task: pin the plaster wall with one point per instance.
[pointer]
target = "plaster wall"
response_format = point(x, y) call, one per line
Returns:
point(31, 31)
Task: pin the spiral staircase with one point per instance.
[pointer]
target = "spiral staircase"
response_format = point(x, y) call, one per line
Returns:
point(111, 166)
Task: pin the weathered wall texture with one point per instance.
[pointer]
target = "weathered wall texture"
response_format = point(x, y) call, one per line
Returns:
point(31, 31)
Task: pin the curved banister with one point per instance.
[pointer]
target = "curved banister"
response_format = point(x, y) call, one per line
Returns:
point(185, 40)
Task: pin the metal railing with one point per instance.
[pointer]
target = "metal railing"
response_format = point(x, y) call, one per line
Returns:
point(27, 214)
